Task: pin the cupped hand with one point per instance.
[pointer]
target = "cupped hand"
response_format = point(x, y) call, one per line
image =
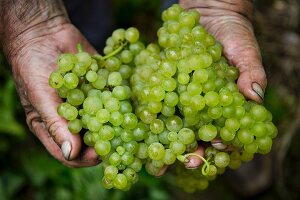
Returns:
point(33, 56)
point(229, 22)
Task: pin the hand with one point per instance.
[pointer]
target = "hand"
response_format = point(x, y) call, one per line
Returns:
point(229, 22)
point(32, 62)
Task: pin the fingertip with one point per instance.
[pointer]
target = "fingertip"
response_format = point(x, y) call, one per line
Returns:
point(195, 161)
point(162, 171)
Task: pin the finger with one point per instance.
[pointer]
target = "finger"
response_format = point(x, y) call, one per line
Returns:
point(195, 161)
point(68, 45)
point(162, 171)
point(87, 158)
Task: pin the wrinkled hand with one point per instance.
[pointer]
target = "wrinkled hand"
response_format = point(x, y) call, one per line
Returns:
point(229, 22)
point(32, 62)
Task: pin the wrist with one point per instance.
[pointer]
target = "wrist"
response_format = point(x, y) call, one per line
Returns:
point(24, 21)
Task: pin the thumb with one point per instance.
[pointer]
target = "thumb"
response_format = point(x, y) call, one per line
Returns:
point(236, 34)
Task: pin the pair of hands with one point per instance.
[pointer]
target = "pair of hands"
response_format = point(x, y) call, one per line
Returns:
point(34, 53)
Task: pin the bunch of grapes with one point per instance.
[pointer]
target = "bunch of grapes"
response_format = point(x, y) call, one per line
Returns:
point(154, 105)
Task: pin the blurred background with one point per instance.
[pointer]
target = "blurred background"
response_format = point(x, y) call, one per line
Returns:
point(27, 171)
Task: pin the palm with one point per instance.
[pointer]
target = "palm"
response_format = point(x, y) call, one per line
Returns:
point(31, 72)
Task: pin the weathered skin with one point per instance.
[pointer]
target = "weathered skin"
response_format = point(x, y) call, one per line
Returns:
point(34, 33)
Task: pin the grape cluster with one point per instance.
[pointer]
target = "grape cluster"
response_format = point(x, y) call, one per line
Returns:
point(153, 105)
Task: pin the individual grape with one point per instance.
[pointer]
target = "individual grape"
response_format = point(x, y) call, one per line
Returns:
point(258, 112)
point(156, 151)
point(127, 158)
point(259, 129)
point(91, 76)
point(84, 58)
point(112, 104)
point(157, 126)
point(110, 172)
point(75, 126)
point(142, 152)
point(87, 138)
point(207, 132)
point(75, 97)
point(226, 134)
point(245, 136)
point(102, 147)
point(132, 35)
point(155, 106)
point(106, 183)
point(116, 118)
point(125, 107)
point(211, 98)
point(114, 79)
point(222, 159)
point(174, 123)
point(177, 147)
point(127, 135)
point(112, 64)
point(56, 80)
point(106, 132)
point(131, 175)
point(91, 105)
point(93, 124)
point(130, 121)
point(115, 159)
point(66, 62)
point(186, 136)
point(71, 80)
point(232, 124)
point(103, 115)
point(120, 182)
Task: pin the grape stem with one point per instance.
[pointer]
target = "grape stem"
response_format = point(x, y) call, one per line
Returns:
point(205, 168)
point(116, 51)
point(79, 48)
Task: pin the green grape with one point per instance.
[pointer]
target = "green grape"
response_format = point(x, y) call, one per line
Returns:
point(66, 62)
point(106, 132)
point(163, 137)
point(156, 151)
point(115, 159)
point(70, 113)
point(140, 132)
point(93, 124)
point(127, 135)
point(251, 148)
point(120, 182)
point(126, 56)
point(222, 159)
point(125, 72)
point(172, 136)
point(264, 143)
point(132, 35)
point(130, 121)
point(131, 146)
point(79, 69)
point(62, 91)
point(245, 136)
point(142, 152)
point(215, 112)
point(177, 147)
point(75, 126)
point(102, 147)
point(56, 80)
point(155, 106)
point(125, 107)
point(168, 68)
point(258, 112)
point(103, 115)
point(91, 76)
point(112, 104)
point(87, 138)
point(186, 136)
point(112, 64)
point(226, 134)
point(174, 123)
point(211, 98)
point(127, 158)
point(157, 126)
point(110, 172)
point(259, 129)
point(71, 80)
point(114, 79)
point(232, 124)
point(136, 165)
point(106, 183)
point(91, 105)
point(84, 58)
point(118, 35)
point(131, 175)
point(116, 118)
point(75, 97)
point(207, 132)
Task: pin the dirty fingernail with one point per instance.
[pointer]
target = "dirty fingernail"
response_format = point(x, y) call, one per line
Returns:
point(66, 149)
point(258, 90)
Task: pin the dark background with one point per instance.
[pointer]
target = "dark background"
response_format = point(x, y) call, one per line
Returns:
point(27, 171)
